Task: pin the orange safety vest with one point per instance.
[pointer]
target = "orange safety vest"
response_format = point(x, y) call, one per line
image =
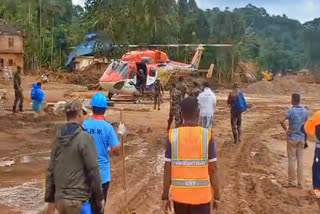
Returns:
point(190, 182)
point(310, 125)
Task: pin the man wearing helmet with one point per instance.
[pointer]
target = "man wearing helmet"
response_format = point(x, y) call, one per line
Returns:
point(104, 136)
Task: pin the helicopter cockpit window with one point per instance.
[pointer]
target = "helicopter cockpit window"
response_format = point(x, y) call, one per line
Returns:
point(119, 67)
point(153, 72)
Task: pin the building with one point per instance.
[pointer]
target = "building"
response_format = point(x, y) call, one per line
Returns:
point(90, 63)
point(11, 46)
point(304, 72)
point(83, 57)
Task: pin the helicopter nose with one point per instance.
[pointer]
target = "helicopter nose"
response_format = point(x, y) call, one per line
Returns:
point(111, 77)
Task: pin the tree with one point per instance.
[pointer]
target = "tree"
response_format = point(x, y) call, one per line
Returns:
point(312, 44)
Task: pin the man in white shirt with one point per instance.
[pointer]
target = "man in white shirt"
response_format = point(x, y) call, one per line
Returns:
point(207, 104)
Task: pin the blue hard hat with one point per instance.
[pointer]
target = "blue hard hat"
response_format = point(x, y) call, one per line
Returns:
point(99, 100)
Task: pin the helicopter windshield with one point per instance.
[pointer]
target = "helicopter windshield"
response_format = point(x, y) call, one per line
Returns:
point(119, 67)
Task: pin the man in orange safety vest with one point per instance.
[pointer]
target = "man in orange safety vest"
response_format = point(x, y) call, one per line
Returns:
point(312, 127)
point(191, 165)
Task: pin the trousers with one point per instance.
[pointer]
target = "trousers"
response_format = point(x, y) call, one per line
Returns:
point(69, 206)
point(18, 98)
point(95, 208)
point(180, 208)
point(316, 172)
point(157, 101)
point(236, 121)
point(295, 149)
point(205, 122)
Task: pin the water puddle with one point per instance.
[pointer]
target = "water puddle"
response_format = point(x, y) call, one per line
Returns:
point(24, 159)
point(26, 197)
point(28, 159)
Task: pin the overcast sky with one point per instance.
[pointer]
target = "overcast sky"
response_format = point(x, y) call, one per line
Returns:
point(302, 10)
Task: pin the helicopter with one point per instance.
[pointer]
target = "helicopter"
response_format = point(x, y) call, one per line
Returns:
point(138, 70)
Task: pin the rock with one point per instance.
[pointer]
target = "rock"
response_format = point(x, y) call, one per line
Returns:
point(243, 174)
point(6, 163)
point(254, 154)
point(275, 182)
point(20, 124)
point(58, 107)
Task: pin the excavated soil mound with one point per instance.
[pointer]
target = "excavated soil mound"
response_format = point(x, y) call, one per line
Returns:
point(285, 86)
point(86, 78)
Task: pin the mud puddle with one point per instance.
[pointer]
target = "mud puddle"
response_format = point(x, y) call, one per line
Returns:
point(25, 159)
point(25, 197)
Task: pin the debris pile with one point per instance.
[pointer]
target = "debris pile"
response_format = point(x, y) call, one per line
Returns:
point(284, 86)
point(87, 78)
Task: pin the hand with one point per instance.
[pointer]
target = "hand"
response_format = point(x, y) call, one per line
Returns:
point(50, 208)
point(166, 206)
point(102, 205)
point(122, 129)
point(215, 205)
point(288, 132)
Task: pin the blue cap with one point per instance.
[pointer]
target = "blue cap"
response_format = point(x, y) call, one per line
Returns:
point(99, 100)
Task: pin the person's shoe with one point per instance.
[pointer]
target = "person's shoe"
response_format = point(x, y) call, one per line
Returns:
point(290, 186)
point(21, 110)
point(158, 109)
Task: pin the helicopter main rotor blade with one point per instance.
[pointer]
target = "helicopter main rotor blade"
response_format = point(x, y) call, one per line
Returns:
point(182, 45)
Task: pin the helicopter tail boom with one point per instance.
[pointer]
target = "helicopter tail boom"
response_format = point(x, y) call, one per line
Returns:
point(197, 58)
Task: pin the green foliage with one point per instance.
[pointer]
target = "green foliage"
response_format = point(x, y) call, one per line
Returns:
point(312, 44)
point(52, 27)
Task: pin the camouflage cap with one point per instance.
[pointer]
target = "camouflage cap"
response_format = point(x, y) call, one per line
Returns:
point(74, 105)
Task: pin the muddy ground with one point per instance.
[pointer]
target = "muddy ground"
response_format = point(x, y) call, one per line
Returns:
point(252, 174)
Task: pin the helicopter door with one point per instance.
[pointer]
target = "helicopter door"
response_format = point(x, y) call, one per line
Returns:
point(152, 77)
point(141, 75)
point(131, 79)
point(132, 76)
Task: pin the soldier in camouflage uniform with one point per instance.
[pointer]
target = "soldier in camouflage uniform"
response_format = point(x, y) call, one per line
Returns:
point(158, 88)
point(175, 109)
point(195, 91)
point(18, 93)
point(181, 86)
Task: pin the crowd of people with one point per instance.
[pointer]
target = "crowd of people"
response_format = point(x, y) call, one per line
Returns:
point(86, 145)
point(79, 168)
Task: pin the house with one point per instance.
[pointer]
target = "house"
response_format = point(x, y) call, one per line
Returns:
point(92, 63)
point(11, 46)
point(303, 72)
point(82, 57)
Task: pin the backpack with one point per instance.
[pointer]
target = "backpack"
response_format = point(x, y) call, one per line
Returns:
point(240, 104)
point(34, 92)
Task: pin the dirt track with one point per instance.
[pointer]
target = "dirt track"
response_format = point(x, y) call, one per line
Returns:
point(252, 173)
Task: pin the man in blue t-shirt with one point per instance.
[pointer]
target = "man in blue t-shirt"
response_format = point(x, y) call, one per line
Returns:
point(104, 136)
point(297, 116)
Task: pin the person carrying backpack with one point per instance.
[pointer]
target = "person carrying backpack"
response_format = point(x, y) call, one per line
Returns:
point(237, 104)
point(37, 96)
